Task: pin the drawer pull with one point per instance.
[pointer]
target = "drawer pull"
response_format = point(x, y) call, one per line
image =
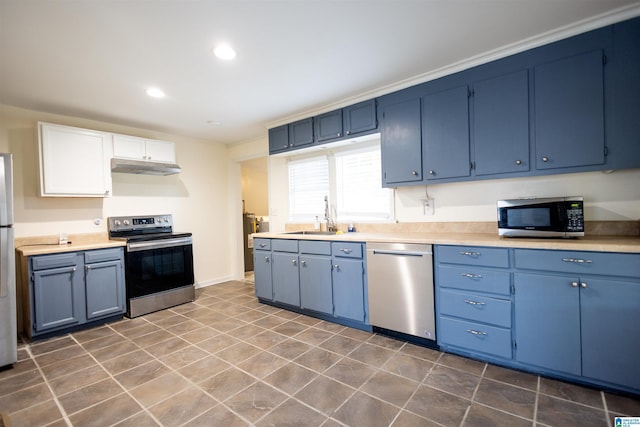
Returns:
point(471, 254)
point(346, 251)
point(263, 245)
point(472, 276)
point(266, 259)
point(577, 260)
point(470, 302)
point(477, 333)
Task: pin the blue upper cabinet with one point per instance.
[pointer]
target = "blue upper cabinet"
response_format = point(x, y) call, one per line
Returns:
point(501, 124)
point(301, 133)
point(445, 134)
point(329, 126)
point(360, 117)
point(401, 143)
point(569, 111)
point(279, 139)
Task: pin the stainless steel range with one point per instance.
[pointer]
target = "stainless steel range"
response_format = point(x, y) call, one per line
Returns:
point(158, 262)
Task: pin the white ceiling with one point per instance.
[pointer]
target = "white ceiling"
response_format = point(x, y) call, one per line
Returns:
point(94, 59)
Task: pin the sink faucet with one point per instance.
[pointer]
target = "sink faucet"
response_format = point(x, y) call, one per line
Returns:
point(327, 216)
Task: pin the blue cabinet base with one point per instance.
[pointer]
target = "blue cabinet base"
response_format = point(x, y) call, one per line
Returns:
point(322, 316)
point(88, 325)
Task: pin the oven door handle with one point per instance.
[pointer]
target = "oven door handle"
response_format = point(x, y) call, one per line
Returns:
point(158, 244)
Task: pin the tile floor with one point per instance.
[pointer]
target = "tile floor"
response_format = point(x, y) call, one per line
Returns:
point(227, 360)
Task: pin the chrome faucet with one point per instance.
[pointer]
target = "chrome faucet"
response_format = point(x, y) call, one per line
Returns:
point(331, 226)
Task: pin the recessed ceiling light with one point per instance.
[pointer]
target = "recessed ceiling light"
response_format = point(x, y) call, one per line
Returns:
point(224, 51)
point(155, 92)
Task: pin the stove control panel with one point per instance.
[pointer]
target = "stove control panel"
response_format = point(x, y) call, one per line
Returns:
point(131, 223)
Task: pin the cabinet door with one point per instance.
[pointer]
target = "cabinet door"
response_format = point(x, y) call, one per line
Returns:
point(348, 289)
point(501, 124)
point(301, 133)
point(74, 162)
point(104, 289)
point(284, 270)
point(401, 142)
point(262, 274)
point(129, 147)
point(445, 134)
point(610, 319)
point(315, 283)
point(547, 321)
point(160, 151)
point(278, 139)
point(329, 125)
point(58, 299)
point(569, 112)
point(360, 117)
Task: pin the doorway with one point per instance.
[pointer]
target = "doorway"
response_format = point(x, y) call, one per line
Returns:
point(255, 206)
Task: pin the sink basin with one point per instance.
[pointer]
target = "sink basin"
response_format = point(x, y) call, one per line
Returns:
point(312, 233)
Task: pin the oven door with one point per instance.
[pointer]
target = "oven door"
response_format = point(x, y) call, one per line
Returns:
point(154, 266)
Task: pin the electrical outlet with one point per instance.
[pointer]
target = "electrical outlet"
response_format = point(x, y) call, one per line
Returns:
point(62, 239)
point(429, 206)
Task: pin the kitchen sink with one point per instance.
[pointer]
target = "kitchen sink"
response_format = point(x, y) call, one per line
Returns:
point(313, 233)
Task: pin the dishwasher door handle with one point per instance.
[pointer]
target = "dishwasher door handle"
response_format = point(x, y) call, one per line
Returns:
point(400, 253)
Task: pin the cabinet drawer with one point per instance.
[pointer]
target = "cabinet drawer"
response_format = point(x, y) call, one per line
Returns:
point(314, 247)
point(101, 255)
point(476, 337)
point(346, 250)
point(580, 262)
point(281, 245)
point(469, 255)
point(475, 279)
point(262, 244)
point(474, 307)
point(53, 261)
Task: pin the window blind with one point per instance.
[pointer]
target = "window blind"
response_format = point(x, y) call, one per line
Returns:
point(308, 184)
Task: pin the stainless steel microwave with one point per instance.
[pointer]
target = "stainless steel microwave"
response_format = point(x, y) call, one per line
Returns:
point(541, 217)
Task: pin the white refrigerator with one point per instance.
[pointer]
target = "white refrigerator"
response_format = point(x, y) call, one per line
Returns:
point(8, 327)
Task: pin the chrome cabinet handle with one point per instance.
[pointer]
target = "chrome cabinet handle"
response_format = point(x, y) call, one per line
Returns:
point(74, 269)
point(518, 162)
point(266, 259)
point(574, 284)
point(472, 276)
point(88, 267)
point(473, 254)
point(432, 172)
point(294, 262)
point(470, 302)
point(336, 267)
point(477, 333)
point(414, 173)
point(263, 245)
point(577, 260)
point(346, 251)
point(545, 159)
point(303, 263)
point(583, 285)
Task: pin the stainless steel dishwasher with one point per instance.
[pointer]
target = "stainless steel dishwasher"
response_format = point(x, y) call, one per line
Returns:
point(400, 285)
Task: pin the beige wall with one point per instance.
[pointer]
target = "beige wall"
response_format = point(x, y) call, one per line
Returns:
point(200, 198)
point(255, 186)
point(611, 196)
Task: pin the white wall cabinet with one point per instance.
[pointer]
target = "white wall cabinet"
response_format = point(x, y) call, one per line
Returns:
point(131, 147)
point(74, 162)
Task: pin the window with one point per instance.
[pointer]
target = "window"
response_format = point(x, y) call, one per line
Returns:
point(308, 184)
point(350, 176)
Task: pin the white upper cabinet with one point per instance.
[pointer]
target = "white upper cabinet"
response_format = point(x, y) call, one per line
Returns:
point(131, 147)
point(74, 162)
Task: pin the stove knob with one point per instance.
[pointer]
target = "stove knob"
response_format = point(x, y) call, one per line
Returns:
point(158, 220)
point(126, 222)
point(117, 222)
point(166, 219)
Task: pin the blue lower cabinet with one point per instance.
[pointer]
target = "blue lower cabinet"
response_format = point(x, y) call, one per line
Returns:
point(547, 322)
point(348, 289)
point(315, 279)
point(262, 274)
point(286, 282)
point(477, 337)
point(73, 288)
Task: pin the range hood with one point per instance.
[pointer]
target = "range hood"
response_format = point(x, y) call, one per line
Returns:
point(142, 167)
